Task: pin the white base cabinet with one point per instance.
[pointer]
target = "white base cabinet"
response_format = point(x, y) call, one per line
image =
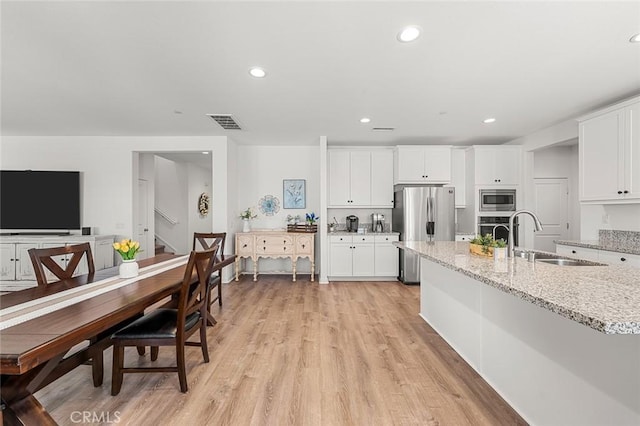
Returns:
point(15, 264)
point(604, 256)
point(363, 256)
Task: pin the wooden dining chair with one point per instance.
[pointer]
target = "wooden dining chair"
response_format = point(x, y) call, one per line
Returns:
point(46, 258)
point(49, 258)
point(170, 327)
point(204, 241)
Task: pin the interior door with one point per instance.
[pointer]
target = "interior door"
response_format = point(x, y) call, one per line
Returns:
point(143, 219)
point(551, 206)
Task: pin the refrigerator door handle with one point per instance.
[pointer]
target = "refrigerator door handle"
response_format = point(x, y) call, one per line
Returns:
point(431, 224)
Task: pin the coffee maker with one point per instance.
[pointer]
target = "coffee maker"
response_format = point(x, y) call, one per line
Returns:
point(377, 222)
point(352, 223)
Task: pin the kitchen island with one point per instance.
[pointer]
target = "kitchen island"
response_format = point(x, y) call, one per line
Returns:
point(558, 343)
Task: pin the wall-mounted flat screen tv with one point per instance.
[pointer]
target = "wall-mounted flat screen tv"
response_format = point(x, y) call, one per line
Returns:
point(39, 200)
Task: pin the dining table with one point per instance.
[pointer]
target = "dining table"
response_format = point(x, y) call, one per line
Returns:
point(42, 327)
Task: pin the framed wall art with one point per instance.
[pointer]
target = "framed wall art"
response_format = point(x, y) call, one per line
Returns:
point(293, 193)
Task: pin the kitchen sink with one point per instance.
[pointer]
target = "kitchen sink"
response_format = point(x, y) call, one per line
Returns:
point(563, 261)
point(554, 259)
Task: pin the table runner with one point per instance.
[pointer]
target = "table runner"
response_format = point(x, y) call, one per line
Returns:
point(26, 311)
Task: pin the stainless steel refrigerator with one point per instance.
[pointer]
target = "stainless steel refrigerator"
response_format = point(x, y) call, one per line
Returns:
point(422, 213)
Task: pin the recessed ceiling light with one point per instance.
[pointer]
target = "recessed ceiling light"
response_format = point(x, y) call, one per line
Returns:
point(365, 120)
point(408, 34)
point(635, 39)
point(489, 120)
point(177, 112)
point(257, 72)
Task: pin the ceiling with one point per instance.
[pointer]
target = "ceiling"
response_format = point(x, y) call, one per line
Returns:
point(156, 68)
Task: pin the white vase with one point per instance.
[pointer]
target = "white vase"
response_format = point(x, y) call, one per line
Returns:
point(499, 253)
point(246, 226)
point(128, 269)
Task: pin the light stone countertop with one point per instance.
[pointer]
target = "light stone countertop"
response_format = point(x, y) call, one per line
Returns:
point(605, 298)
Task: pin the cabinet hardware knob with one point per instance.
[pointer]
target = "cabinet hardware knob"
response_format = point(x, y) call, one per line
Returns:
point(626, 192)
point(573, 251)
point(264, 248)
point(619, 192)
point(244, 246)
point(303, 246)
point(622, 259)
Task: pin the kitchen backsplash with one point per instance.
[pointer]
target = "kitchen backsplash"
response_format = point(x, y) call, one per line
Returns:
point(619, 239)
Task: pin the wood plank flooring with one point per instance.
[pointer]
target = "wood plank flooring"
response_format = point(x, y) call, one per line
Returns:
point(284, 353)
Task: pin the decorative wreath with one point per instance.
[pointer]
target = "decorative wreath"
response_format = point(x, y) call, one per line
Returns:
point(203, 204)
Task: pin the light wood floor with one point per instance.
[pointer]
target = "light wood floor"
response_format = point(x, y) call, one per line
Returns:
point(284, 353)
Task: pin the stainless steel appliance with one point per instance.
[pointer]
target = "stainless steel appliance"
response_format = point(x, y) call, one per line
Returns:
point(352, 223)
point(377, 222)
point(498, 227)
point(497, 200)
point(422, 213)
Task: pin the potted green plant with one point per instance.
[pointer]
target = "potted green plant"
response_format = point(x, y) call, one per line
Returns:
point(486, 245)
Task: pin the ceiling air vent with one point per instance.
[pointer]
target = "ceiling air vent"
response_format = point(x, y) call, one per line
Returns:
point(226, 121)
point(383, 129)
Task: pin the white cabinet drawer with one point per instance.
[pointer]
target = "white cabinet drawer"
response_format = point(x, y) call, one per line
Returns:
point(579, 252)
point(615, 258)
point(465, 237)
point(385, 238)
point(363, 239)
point(340, 239)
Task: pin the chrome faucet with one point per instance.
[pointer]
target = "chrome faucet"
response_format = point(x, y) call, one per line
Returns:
point(536, 222)
point(493, 233)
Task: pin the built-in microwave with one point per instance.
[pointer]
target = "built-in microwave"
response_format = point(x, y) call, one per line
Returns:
point(497, 200)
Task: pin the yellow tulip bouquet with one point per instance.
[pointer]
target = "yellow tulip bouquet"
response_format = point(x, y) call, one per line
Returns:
point(127, 249)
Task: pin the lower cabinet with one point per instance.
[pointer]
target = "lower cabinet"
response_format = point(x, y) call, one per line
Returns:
point(604, 256)
point(15, 264)
point(363, 256)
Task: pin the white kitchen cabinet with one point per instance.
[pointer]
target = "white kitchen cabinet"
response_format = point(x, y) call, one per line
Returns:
point(422, 164)
point(363, 255)
point(15, 262)
point(382, 178)
point(360, 178)
point(596, 255)
point(465, 237)
point(616, 258)
point(458, 177)
point(386, 256)
point(7, 261)
point(495, 164)
point(609, 147)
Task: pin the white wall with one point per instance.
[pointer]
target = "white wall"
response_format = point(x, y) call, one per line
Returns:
point(260, 171)
point(171, 199)
point(198, 182)
point(109, 170)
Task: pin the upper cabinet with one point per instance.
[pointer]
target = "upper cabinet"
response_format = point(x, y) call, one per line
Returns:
point(422, 164)
point(609, 147)
point(495, 164)
point(360, 178)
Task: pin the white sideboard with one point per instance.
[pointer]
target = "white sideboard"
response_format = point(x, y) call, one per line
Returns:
point(275, 244)
point(15, 264)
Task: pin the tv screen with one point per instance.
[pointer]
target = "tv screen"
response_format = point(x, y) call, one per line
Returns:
point(39, 200)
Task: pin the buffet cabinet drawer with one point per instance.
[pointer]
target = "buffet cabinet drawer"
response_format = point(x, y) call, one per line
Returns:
point(245, 245)
point(276, 241)
point(276, 249)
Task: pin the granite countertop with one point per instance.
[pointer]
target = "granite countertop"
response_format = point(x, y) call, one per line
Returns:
point(597, 245)
point(605, 298)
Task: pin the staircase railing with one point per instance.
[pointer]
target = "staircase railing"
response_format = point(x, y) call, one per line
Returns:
point(166, 216)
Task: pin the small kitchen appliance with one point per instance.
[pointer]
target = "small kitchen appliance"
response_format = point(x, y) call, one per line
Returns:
point(352, 223)
point(377, 222)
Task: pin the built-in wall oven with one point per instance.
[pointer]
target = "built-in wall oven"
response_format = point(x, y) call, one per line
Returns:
point(498, 226)
point(497, 200)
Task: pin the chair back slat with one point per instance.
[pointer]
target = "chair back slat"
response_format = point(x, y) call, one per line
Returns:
point(194, 295)
point(44, 258)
